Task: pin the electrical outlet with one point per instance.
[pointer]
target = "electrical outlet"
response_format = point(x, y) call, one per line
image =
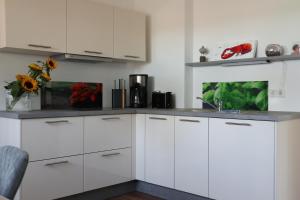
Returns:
point(277, 93)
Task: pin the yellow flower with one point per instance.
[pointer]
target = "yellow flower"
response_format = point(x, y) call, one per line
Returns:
point(35, 67)
point(51, 63)
point(29, 84)
point(20, 77)
point(46, 77)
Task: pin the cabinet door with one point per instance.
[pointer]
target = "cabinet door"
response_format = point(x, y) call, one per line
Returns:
point(129, 35)
point(53, 179)
point(159, 159)
point(89, 28)
point(36, 25)
point(52, 138)
point(241, 163)
point(191, 155)
point(107, 168)
point(108, 132)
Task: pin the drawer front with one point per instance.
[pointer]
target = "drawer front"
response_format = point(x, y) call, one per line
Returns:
point(106, 133)
point(52, 138)
point(52, 179)
point(107, 168)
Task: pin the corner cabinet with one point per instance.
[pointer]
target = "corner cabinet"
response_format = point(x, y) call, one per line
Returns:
point(90, 28)
point(34, 25)
point(241, 160)
point(129, 35)
point(159, 150)
point(191, 155)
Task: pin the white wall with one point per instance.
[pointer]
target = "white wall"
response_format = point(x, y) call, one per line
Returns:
point(268, 21)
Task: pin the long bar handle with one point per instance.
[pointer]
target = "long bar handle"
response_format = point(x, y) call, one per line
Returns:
point(57, 163)
point(188, 120)
point(111, 154)
point(157, 118)
point(129, 56)
point(111, 118)
point(94, 52)
point(238, 124)
point(39, 46)
point(57, 122)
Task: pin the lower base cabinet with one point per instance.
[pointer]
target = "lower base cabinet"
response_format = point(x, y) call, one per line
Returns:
point(241, 162)
point(52, 179)
point(107, 168)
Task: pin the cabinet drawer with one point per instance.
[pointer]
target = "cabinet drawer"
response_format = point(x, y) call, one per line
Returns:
point(107, 168)
point(52, 138)
point(52, 179)
point(107, 133)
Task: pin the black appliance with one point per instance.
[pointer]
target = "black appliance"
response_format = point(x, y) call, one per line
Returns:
point(138, 84)
point(162, 100)
point(119, 94)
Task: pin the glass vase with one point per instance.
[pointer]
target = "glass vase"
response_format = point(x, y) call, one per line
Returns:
point(22, 103)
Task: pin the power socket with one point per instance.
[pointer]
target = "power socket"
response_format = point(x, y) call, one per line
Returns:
point(277, 93)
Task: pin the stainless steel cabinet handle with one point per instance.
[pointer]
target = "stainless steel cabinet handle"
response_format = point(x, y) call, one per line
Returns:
point(94, 52)
point(39, 46)
point(111, 154)
point(111, 118)
point(57, 122)
point(57, 163)
point(128, 56)
point(188, 120)
point(157, 118)
point(238, 124)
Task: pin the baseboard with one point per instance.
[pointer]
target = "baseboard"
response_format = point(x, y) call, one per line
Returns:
point(135, 186)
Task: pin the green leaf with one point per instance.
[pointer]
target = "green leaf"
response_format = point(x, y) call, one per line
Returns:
point(262, 100)
point(255, 85)
point(209, 96)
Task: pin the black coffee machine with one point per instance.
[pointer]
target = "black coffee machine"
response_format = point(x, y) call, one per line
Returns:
point(138, 90)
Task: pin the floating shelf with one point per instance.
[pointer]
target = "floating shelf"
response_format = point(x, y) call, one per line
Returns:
point(241, 62)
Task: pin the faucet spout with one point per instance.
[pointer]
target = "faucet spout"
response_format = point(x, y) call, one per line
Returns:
point(219, 108)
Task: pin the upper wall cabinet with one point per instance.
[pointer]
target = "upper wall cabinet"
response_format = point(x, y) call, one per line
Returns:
point(89, 28)
point(129, 35)
point(35, 25)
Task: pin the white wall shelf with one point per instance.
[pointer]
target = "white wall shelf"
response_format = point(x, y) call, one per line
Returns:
point(242, 62)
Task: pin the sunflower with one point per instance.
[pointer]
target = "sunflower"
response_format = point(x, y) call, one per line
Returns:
point(20, 77)
point(29, 85)
point(46, 77)
point(35, 67)
point(51, 63)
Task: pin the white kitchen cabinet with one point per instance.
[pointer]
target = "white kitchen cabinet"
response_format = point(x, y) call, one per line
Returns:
point(107, 168)
point(52, 138)
point(34, 25)
point(241, 163)
point(191, 155)
point(90, 28)
point(129, 35)
point(52, 179)
point(108, 132)
point(159, 150)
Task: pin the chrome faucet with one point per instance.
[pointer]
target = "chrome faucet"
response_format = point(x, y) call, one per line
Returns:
point(220, 104)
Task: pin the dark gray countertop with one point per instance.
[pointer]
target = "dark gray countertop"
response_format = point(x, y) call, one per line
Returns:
point(246, 115)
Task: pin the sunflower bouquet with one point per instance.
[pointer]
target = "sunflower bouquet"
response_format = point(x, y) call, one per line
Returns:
point(25, 84)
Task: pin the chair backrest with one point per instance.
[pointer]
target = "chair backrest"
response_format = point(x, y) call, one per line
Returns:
point(13, 164)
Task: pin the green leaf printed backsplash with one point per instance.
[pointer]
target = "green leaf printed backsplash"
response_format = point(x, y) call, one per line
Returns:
point(252, 95)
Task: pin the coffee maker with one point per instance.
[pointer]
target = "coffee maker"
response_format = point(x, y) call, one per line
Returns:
point(138, 90)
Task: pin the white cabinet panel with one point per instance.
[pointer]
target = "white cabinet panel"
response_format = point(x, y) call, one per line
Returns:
point(107, 133)
point(52, 179)
point(159, 150)
point(241, 164)
point(129, 35)
point(191, 155)
point(38, 25)
point(139, 133)
point(90, 28)
point(107, 168)
point(52, 138)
